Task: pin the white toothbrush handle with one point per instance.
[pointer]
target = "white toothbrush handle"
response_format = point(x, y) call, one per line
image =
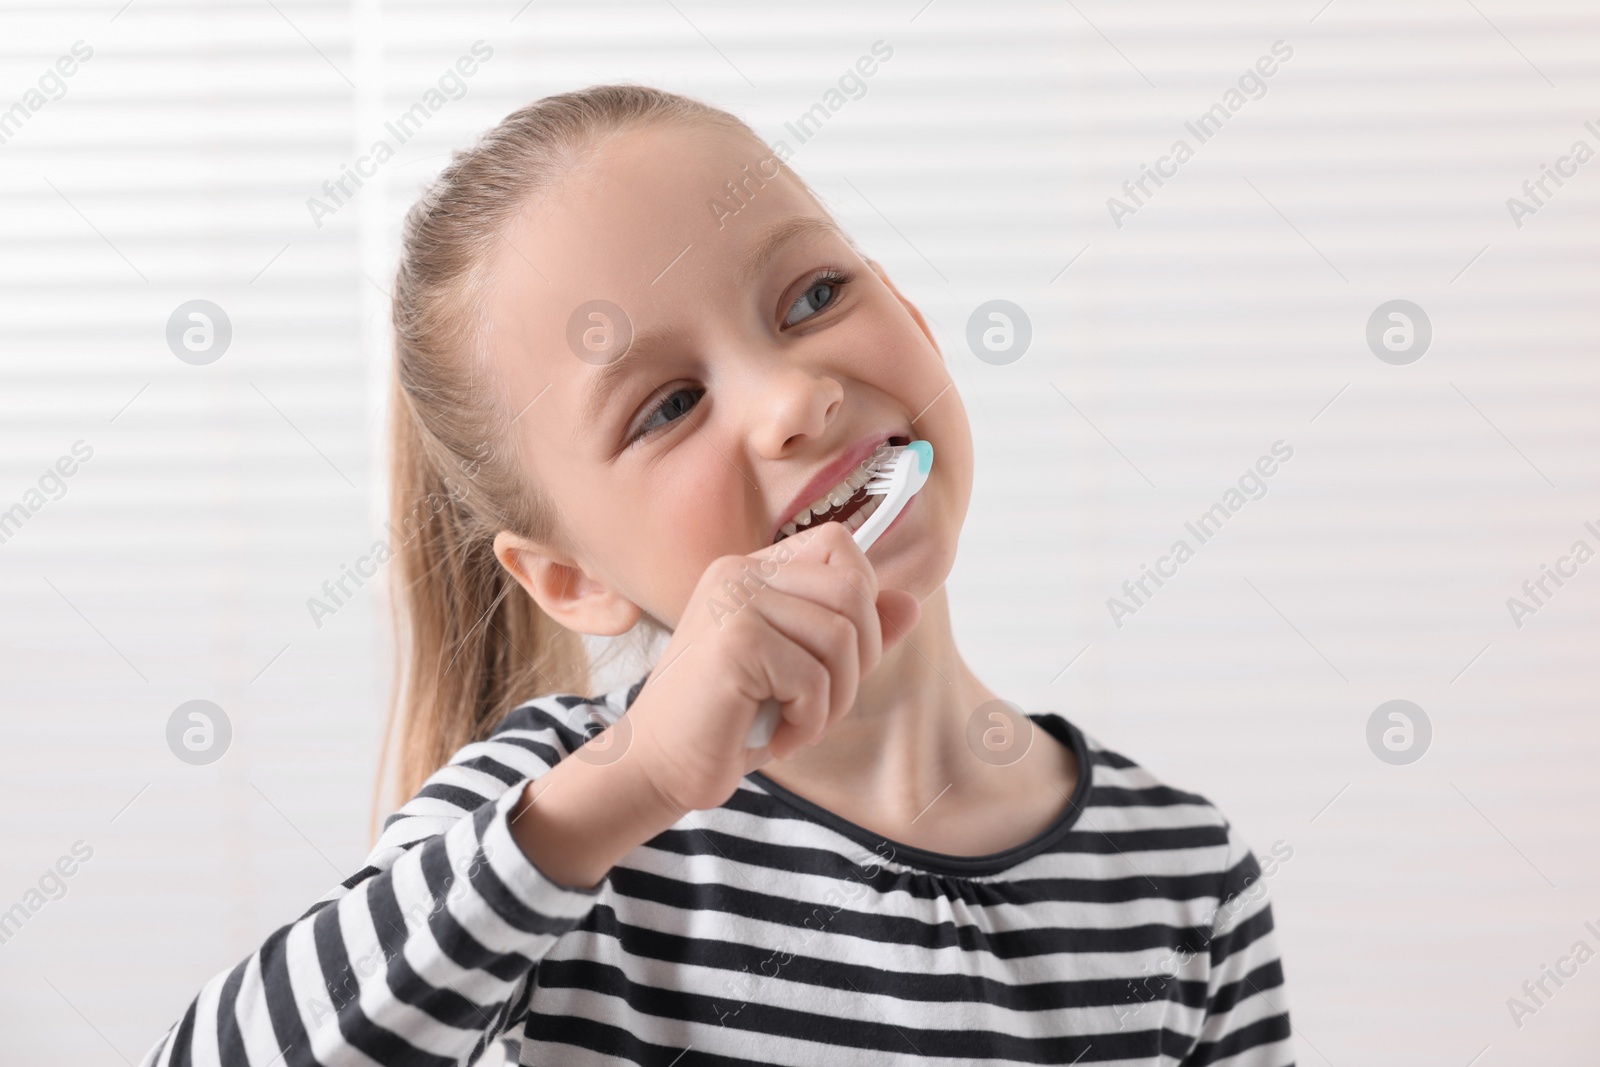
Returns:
point(765, 724)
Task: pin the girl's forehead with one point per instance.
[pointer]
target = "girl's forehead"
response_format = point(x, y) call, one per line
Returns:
point(653, 221)
point(649, 204)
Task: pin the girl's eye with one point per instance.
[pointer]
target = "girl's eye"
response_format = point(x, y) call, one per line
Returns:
point(825, 285)
point(672, 405)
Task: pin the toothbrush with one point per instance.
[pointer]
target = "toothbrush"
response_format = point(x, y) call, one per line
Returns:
point(897, 475)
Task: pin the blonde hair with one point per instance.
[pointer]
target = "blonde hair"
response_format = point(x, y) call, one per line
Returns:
point(471, 646)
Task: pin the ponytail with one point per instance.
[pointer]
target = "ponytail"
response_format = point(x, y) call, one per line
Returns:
point(478, 644)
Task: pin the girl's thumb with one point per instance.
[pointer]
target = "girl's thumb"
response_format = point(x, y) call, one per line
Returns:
point(898, 612)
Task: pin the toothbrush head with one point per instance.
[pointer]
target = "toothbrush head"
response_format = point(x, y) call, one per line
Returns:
point(914, 459)
point(924, 453)
point(897, 478)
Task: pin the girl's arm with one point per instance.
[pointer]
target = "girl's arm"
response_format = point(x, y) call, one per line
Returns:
point(1246, 1014)
point(423, 955)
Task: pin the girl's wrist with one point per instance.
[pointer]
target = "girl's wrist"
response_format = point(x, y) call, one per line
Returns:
point(578, 819)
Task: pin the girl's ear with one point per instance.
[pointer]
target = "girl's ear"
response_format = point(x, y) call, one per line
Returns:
point(562, 588)
point(883, 276)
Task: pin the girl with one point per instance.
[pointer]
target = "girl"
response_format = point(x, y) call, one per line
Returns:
point(632, 350)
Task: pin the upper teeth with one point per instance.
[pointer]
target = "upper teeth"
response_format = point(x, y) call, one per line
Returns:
point(836, 496)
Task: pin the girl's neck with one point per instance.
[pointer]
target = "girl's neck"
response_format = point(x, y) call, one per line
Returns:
point(901, 754)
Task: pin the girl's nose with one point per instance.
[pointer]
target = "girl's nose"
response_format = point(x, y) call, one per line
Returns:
point(791, 404)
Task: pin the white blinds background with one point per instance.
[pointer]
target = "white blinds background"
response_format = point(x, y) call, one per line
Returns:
point(1228, 312)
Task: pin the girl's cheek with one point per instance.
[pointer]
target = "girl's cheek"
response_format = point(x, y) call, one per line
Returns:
point(685, 513)
point(700, 498)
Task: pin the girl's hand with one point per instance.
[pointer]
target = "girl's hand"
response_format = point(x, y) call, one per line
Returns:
point(799, 621)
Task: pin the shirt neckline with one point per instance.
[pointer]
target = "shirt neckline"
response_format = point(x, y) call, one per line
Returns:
point(948, 863)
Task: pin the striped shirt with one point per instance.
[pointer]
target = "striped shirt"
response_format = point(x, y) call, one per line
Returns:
point(1135, 929)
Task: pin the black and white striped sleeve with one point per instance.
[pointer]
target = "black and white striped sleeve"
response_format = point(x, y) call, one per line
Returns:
point(422, 955)
point(1246, 1020)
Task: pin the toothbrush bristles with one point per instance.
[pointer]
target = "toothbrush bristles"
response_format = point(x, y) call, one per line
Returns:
point(885, 464)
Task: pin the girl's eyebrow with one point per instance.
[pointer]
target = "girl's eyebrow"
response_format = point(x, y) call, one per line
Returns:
point(769, 244)
point(604, 382)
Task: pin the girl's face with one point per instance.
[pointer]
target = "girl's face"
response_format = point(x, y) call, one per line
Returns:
point(764, 351)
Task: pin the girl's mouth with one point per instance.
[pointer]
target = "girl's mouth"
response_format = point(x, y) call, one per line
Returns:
point(848, 502)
